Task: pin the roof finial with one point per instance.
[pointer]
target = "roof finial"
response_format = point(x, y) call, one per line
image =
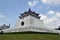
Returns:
point(29, 9)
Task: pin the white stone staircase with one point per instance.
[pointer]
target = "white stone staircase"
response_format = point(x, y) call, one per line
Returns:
point(34, 29)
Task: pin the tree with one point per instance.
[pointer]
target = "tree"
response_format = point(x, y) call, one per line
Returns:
point(1, 32)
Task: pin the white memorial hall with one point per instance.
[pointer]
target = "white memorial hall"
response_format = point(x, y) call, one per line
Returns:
point(30, 21)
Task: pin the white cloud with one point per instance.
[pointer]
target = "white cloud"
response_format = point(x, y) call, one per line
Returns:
point(43, 17)
point(58, 14)
point(51, 12)
point(46, 19)
point(52, 22)
point(33, 3)
point(4, 19)
point(51, 2)
point(2, 16)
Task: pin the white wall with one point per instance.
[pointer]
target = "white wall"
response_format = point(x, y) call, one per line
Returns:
point(36, 22)
point(30, 21)
point(26, 22)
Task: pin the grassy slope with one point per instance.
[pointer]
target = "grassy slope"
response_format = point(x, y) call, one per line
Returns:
point(29, 37)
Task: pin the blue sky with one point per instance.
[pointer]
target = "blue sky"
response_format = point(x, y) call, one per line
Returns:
point(49, 10)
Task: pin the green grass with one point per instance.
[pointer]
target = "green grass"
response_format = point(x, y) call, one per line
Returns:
point(29, 37)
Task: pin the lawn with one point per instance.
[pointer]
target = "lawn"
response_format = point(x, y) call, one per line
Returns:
point(29, 37)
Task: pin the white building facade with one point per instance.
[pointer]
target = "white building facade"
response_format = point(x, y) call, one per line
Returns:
point(30, 21)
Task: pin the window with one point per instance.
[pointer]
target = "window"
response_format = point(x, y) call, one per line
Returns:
point(22, 23)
